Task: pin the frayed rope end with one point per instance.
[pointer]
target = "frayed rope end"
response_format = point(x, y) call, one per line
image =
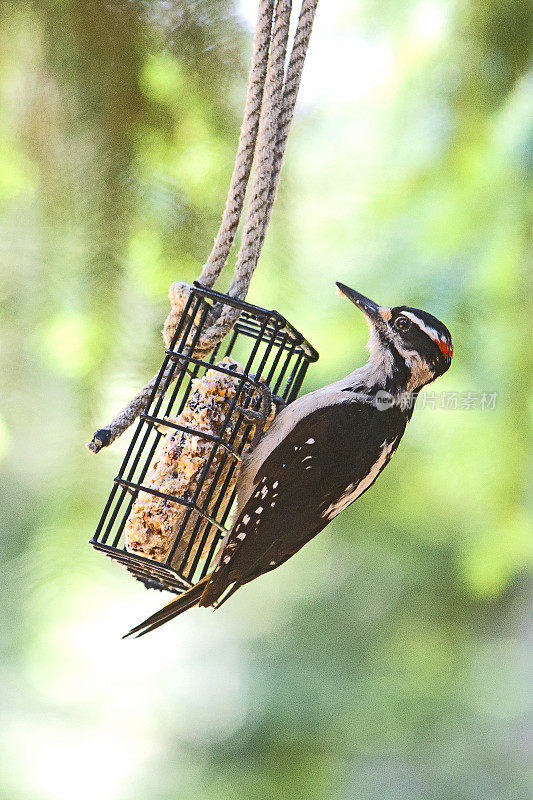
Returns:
point(102, 438)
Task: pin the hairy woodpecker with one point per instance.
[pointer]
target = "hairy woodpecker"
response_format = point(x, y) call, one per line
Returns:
point(322, 452)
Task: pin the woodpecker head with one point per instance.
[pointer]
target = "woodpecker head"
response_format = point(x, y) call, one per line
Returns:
point(408, 347)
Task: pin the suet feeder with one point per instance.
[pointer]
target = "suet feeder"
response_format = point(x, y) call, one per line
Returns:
point(265, 360)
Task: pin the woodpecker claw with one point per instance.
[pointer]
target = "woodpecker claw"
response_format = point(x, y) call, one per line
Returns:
point(249, 414)
point(258, 416)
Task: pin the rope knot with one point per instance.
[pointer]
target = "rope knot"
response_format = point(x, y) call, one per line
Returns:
point(178, 294)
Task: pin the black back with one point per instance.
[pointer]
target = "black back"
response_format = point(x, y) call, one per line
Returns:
point(336, 447)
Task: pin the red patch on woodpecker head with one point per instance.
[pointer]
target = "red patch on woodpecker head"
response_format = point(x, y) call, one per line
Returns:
point(446, 349)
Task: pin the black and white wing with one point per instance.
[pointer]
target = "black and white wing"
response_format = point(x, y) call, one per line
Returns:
point(328, 460)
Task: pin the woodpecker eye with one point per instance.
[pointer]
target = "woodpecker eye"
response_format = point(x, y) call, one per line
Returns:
point(403, 324)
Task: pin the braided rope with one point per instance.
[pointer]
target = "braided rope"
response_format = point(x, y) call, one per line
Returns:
point(269, 110)
point(246, 148)
point(254, 226)
point(282, 110)
point(290, 93)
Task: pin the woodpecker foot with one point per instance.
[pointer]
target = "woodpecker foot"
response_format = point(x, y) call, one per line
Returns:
point(260, 415)
point(250, 415)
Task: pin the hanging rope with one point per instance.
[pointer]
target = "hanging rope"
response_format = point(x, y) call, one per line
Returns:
point(261, 187)
point(269, 109)
point(246, 148)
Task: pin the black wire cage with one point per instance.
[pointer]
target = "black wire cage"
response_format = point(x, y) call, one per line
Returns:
point(271, 353)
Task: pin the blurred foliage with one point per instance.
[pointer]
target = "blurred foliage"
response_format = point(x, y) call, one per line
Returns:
point(391, 659)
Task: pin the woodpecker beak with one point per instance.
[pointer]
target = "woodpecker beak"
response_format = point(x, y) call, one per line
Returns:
point(373, 312)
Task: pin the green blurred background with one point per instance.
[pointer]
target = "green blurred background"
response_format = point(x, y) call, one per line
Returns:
point(391, 659)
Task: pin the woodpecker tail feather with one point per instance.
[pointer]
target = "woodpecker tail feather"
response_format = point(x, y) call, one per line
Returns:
point(216, 605)
point(187, 600)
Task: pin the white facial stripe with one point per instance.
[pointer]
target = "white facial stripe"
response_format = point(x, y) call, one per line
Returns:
point(431, 332)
